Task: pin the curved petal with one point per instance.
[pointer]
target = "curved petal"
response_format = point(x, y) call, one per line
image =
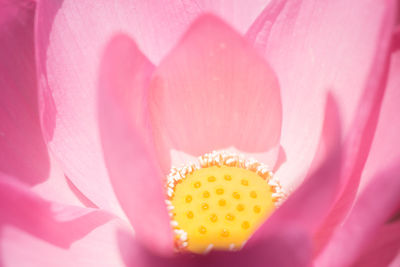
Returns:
point(36, 232)
point(70, 39)
point(23, 152)
point(310, 203)
point(99, 247)
point(383, 249)
point(360, 135)
point(129, 152)
point(385, 143)
point(381, 198)
point(21, 208)
point(315, 46)
point(59, 188)
point(213, 91)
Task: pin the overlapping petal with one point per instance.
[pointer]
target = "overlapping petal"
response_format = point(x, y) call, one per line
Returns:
point(23, 152)
point(316, 46)
point(128, 147)
point(311, 51)
point(372, 209)
point(361, 133)
point(37, 232)
point(383, 153)
point(70, 41)
point(385, 143)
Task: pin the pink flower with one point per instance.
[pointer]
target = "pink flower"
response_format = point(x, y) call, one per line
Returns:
point(99, 99)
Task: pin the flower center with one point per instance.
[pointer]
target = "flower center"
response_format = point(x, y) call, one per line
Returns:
point(221, 203)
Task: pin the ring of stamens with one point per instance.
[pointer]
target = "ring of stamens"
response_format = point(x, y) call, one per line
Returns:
point(219, 203)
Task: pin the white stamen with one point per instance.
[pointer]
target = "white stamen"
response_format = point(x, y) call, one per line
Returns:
point(183, 237)
point(208, 249)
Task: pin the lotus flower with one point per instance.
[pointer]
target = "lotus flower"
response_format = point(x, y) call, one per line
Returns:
point(101, 99)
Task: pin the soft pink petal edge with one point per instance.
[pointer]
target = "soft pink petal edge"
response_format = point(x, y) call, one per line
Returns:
point(128, 148)
point(385, 143)
point(361, 133)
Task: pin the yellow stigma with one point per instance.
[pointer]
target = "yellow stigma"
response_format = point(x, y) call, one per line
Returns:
point(221, 203)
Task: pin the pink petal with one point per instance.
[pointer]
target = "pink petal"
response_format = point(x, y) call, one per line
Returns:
point(100, 247)
point(43, 219)
point(386, 140)
point(59, 188)
point(383, 249)
point(315, 46)
point(310, 203)
point(360, 135)
point(213, 92)
point(36, 232)
point(70, 41)
point(288, 247)
point(377, 203)
point(22, 150)
point(129, 152)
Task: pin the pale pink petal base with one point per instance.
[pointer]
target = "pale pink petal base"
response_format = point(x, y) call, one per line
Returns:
point(128, 148)
point(213, 91)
